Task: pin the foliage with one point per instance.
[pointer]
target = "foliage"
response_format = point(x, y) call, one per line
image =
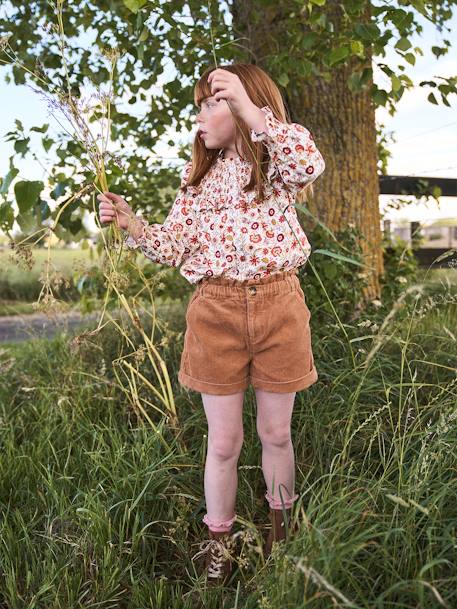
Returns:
point(401, 268)
point(343, 281)
point(153, 33)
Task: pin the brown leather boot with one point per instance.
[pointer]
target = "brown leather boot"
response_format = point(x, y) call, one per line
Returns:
point(219, 555)
point(277, 531)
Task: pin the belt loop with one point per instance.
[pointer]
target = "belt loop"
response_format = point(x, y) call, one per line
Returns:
point(293, 282)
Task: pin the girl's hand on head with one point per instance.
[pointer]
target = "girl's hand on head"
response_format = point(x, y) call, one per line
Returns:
point(226, 85)
point(114, 208)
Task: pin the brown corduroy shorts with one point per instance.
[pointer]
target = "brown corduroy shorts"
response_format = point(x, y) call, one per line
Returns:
point(248, 332)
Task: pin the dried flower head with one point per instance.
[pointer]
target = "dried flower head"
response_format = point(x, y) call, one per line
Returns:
point(117, 160)
point(4, 41)
point(54, 279)
point(111, 53)
point(22, 255)
point(50, 306)
point(81, 340)
point(140, 354)
point(118, 279)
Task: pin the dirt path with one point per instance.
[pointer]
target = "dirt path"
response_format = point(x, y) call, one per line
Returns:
point(16, 328)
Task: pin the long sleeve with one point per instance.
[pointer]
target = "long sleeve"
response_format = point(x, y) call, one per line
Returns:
point(173, 241)
point(293, 152)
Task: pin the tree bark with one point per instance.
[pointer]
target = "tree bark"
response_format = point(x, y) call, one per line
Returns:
point(342, 121)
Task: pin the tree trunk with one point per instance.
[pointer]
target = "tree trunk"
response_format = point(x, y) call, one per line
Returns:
point(342, 121)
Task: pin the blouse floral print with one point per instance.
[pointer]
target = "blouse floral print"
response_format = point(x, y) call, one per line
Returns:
point(217, 229)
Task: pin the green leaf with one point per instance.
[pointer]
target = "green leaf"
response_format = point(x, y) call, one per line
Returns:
point(27, 222)
point(367, 76)
point(134, 5)
point(399, 18)
point(396, 83)
point(337, 55)
point(283, 80)
point(12, 173)
point(367, 31)
point(410, 58)
point(309, 40)
point(47, 142)
point(431, 98)
point(42, 129)
point(438, 51)
point(420, 7)
point(22, 146)
point(386, 69)
point(6, 216)
point(27, 193)
point(358, 79)
point(403, 44)
point(58, 191)
point(139, 22)
point(44, 209)
point(338, 257)
point(354, 81)
point(380, 97)
point(144, 34)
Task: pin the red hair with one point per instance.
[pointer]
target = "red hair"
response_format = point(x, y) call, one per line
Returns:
point(262, 91)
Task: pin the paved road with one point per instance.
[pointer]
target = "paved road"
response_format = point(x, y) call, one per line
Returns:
point(16, 328)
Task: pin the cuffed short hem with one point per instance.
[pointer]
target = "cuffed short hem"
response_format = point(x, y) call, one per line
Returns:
point(228, 388)
point(287, 386)
point(212, 388)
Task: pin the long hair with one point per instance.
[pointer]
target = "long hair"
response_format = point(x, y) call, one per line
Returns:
point(262, 91)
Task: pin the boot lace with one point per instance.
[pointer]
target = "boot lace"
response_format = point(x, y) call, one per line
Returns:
point(218, 553)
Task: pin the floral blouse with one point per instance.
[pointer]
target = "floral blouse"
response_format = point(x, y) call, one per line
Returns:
point(217, 229)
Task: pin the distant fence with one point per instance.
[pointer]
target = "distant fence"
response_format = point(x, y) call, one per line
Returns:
point(427, 242)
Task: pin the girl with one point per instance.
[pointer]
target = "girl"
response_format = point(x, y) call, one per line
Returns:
point(234, 233)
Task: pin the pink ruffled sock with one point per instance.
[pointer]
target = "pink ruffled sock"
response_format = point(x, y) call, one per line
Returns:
point(218, 526)
point(276, 504)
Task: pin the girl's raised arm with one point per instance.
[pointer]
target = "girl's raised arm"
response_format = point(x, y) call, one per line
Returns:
point(293, 152)
point(173, 241)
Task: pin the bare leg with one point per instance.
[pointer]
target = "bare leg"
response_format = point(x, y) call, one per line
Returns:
point(274, 414)
point(225, 440)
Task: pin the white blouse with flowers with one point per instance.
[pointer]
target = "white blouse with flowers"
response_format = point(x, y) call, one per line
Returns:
point(217, 229)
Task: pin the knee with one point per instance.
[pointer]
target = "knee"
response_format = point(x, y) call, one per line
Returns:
point(225, 447)
point(278, 437)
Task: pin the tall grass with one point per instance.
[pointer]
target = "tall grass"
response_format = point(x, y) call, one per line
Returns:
point(102, 508)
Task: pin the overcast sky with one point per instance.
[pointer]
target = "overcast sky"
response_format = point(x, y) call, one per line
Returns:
point(426, 134)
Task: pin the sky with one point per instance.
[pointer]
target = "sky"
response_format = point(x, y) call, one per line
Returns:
point(425, 134)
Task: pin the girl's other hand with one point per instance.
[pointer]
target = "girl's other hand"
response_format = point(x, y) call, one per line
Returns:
point(114, 207)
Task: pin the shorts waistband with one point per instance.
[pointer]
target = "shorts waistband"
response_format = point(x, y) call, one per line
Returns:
point(276, 283)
